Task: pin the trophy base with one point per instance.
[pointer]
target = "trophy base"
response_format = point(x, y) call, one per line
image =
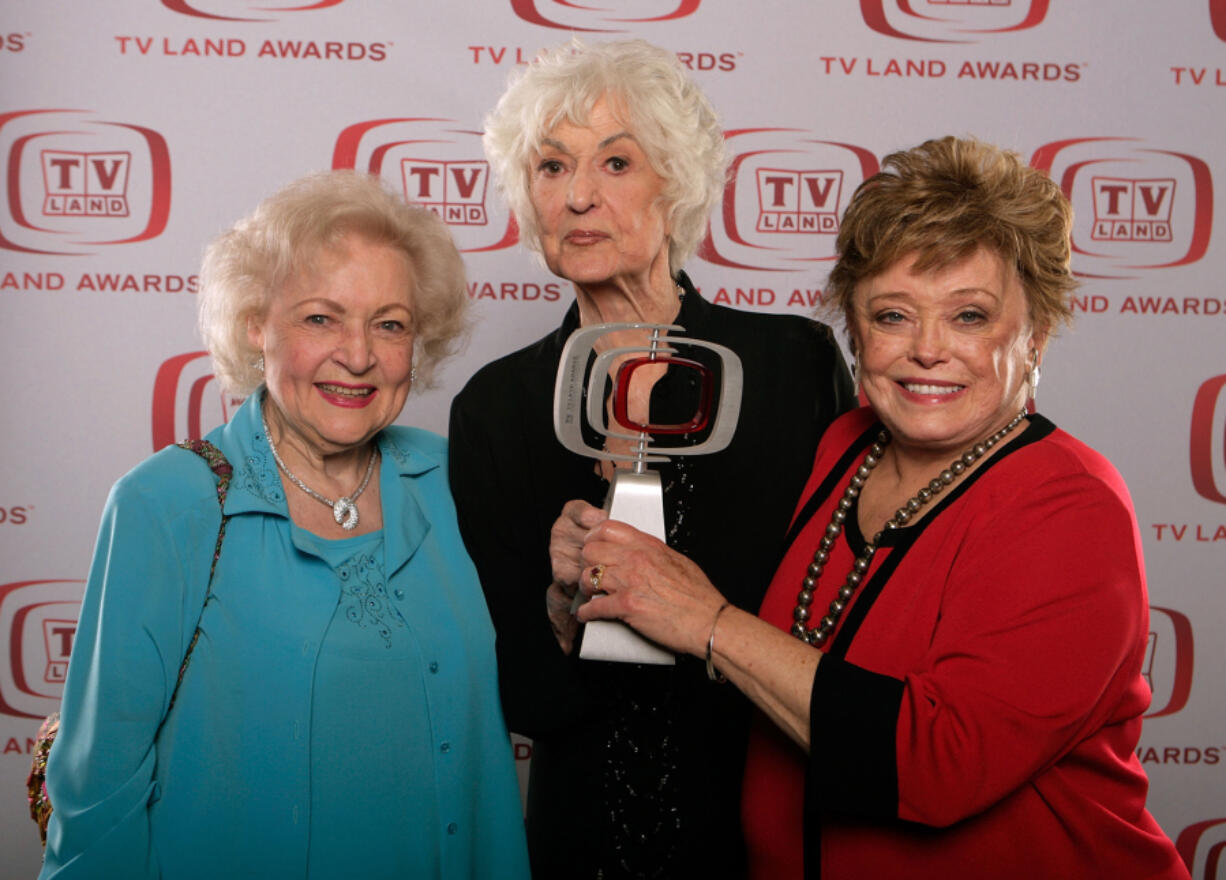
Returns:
point(637, 499)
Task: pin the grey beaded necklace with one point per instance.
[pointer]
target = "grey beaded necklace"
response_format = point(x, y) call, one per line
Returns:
point(800, 616)
point(345, 508)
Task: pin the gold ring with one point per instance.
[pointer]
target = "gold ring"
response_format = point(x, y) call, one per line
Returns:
point(597, 574)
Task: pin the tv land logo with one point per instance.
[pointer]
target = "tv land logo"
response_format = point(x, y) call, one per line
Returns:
point(1169, 660)
point(1217, 16)
point(951, 21)
point(785, 193)
point(187, 401)
point(38, 621)
point(436, 163)
point(1127, 209)
point(453, 190)
point(1137, 207)
point(76, 183)
point(799, 201)
point(1207, 447)
point(605, 17)
point(85, 184)
point(243, 10)
point(1202, 846)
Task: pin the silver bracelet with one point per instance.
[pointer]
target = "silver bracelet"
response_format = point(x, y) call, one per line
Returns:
point(711, 672)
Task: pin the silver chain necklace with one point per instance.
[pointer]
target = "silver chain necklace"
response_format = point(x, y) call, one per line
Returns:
point(345, 508)
point(804, 599)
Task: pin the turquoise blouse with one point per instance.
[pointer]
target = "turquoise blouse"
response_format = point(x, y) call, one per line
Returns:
point(340, 713)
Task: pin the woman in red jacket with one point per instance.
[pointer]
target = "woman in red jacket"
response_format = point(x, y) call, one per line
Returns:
point(947, 663)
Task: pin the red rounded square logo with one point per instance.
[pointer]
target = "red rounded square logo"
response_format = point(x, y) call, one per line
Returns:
point(187, 401)
point(951, 21)
point(241, 10)
point(438, 164)
point(786, 191)
point(702, 409)
point(1202, 846)
point(1207, 446)
point(608, 17)
point(1138, 206)
point(38, 621)
point(76, 183)
point(1169, 659)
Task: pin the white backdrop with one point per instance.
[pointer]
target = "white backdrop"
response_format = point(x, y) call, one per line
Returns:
point(132, 131)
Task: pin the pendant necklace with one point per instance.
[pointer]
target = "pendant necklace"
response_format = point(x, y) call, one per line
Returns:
point(345, 508)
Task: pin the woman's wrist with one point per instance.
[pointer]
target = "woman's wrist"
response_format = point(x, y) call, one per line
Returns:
point(712, 673)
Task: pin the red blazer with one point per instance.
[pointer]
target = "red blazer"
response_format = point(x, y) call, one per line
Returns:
point(977, 710)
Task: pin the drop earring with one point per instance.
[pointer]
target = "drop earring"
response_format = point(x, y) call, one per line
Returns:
point(1033, 378)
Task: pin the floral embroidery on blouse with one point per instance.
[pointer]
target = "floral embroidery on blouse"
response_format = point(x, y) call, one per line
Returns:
point(364, 588)
point(392, 448)
point(257, 475)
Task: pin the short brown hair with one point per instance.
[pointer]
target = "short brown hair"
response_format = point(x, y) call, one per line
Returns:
point(945, 199)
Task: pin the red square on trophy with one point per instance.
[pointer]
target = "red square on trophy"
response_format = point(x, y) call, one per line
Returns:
point(621, 396)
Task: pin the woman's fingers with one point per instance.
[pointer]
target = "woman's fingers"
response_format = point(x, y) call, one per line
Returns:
point(583, 514)
point(615, 532)
point(566, 540)
point(566, 559)
point(634, 577)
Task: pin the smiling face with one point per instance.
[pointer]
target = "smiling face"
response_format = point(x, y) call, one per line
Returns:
point(598, 203)
point(944, 354)
point(338, 348)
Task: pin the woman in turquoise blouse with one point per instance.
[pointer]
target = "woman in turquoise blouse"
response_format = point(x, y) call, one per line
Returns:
point(339, 715)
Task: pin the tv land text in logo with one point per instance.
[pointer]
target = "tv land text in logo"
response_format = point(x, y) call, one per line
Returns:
point(606, 17)
point(38, 621)
point(187, 401)
point(785, 194)
point(437, 164)
point(76, 183)
point(454, 190)
point(249, 10)
point(1137, 207)
point(951, 21)
point(1207, 447)
point(85, 184)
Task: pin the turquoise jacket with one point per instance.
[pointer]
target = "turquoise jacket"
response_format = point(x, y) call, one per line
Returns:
point(224, 791)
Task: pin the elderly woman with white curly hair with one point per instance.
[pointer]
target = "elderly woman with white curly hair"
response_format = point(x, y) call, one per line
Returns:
point(612, 159)
point(311, 693)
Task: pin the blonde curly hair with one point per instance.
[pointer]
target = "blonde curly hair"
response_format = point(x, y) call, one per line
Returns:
point(281, 241)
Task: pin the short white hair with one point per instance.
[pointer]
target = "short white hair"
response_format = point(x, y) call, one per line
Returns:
point(649, 91)
point(280, 243)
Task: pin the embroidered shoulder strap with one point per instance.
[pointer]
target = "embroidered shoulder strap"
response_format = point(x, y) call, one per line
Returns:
point(217, 462)
point(36, 783)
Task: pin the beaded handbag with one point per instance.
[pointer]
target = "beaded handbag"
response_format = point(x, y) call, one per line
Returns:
point(36, 782)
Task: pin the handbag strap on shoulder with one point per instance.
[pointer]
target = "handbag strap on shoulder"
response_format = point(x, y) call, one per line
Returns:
point(217, 462)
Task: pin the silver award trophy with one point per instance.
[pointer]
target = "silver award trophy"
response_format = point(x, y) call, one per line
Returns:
point(635, 494)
